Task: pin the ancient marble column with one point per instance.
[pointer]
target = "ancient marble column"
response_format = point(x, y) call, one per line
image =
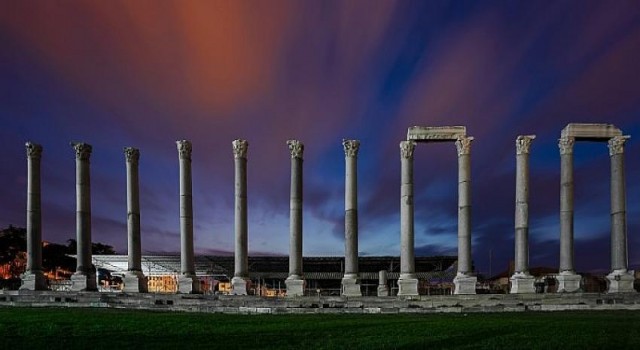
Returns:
point(350, 280)
point(84, 279)
point(620, 279)
point(465, 281)
point(134, 279)
point(241, 273)
point(522, 281)
point(33, 278)
point(408, 282)
point(568, 280)
point(295, 283)
point(187, 281)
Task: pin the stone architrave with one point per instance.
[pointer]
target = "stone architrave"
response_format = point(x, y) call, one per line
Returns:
point(84, 279)
point(465, 281)
point(383, 290)
point(350, 280)
point(187, 281)
point(33, 278)
point(134, 279)
point(620, 279)
point(521, 280)
point(407, 282)
point(241, 273)
point(295, 281)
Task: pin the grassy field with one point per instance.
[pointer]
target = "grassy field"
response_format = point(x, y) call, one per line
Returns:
point(113, 329)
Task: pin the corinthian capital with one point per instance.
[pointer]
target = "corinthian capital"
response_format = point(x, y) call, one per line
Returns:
point(463, 145)
point(566, 145)
point(296, 148)
point(406, 149)
point(132, 154)
point(523, 143)
point(240, 148)
point(34, 150)
point(616, 144)
point(184, 149)
point(83, 150)
point(351, 147)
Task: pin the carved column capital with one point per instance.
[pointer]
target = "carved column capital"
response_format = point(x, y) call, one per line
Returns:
point(463, 145)
point(523, 143)
point(296, 148)
point(566, 145)
point(184, 149)
point(407, 148)
point(132, 154)
point(616, 144)
point(83, 150)
point(351, 147)
point(34, 150)
point(240, 148)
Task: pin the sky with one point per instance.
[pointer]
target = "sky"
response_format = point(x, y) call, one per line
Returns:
point(147, 73)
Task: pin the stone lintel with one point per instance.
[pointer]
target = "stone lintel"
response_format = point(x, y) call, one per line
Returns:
point(591, 132)
point(435, 133)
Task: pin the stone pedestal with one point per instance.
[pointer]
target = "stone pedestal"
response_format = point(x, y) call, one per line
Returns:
point(135, 282)
point(568, 282)
point(522, 283)
point(33, 280)
point(188, 284)
point(620, 281)
point(84, 281)
point(238, 286)
point(407, 286)
point(351, 286)
point(383, 290)
point(295, 287)
point(464, 284)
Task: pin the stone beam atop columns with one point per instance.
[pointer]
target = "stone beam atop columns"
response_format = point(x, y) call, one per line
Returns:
point(435, 133)
point(590, 131)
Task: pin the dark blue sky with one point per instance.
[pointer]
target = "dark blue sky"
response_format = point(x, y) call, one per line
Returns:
point(144, 74)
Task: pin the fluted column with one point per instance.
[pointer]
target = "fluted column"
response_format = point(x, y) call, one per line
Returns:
point(187, 281)
point(295, 283)
point(568, 280)
point(620, 279)
point(407, 283)
point(134, 280)
point(241, 273)
point(522, 281)
point(464, 282)
point(85, 276)
point(33, 278)
point(350, 280)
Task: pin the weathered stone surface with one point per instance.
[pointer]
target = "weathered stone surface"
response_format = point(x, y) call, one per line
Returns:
point(350, 286)
point(408, 286)
point(568, 282)
point(295, 287)
point(620, 281)
point(135, 282)
point(435, 133)
point(295, 284)
point(241, 272)
point(522, 283)
point(187, 282)
point(464, 284)
point(33, 278)
point(590, 131)
point(238, 286)
point(350, 280)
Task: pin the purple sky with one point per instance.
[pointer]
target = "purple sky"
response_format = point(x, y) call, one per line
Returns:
point(145, 74)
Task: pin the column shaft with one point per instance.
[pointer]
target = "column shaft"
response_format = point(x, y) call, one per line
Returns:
point(618, 206)
point(187, 264)
point(566, 204)
point(133, 211)
point(34, 216)
point(522, 204)
point(295, 216)
point(351, 208)
point(241, 273)
point(85, 276)
point(464, 205)
point(407, 258)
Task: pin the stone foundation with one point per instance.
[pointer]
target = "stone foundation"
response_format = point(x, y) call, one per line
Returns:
point(188, 285)
point(238, 286)
point(408, 287)
point(135, 282)
point(81, 282)
point(568, 282)
point(522, 283)
point(295, 287)
point(351, 287)
point(33, 280)
point(464, 284)
point(620, 282)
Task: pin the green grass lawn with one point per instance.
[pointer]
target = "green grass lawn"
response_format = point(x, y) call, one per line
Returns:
point(107, 328)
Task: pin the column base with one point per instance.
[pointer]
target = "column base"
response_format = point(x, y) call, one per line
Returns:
point(464, 284)
point(407, 285)
point(135, 282)
point(383, 291)
point(621, 281)
point(568, 282)
point(84, 281)
point(188, 284)
point(295, 286)
point(238, 286)
point(522, 283)
point(33, 280)
point(351, 286)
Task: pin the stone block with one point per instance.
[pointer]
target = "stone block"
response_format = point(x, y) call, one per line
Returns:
point(588, 131)
point(188, 284)
point(464, 284)
point(383, 291)
point(135, 282)
point(238, 286)
point(568, 282)
point(351, 287)
point(435, 133)
point(81, 281)
point(33, 280)
point(295, 287)
point(522, 283)
point(408, 287)
point(620, 282)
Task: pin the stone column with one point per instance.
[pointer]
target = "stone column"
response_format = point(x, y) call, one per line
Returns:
point(350, 280)
point(187, 281)
point(241, 273)
point(465, 281)
point(295, 283)
point(620, 279)
point(408, 282)
point(84, 279)
point(33, 278)
point(522, 281)
point(383, 290)
point(568, 280)
point(134, 279)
